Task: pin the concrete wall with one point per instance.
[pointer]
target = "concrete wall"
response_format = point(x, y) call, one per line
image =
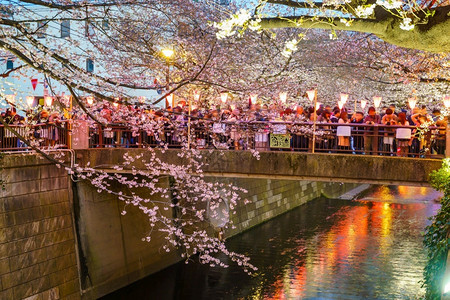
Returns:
point(37, 244)
point(113, 253)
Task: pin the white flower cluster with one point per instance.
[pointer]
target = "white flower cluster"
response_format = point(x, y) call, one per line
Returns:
point(346, 22)
point(289, 47)
point(390, 4)
point(226, 28)
point(406, 24)
point(364, 11)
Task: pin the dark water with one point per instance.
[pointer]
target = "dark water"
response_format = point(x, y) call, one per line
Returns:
point(370, 248)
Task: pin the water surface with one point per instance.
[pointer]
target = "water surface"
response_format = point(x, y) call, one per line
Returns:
point(370, 248)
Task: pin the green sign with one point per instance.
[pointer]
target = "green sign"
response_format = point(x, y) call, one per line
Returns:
point(280, 141)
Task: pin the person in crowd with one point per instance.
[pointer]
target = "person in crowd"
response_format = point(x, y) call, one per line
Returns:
point(334, 118)
point(369, 139)
point(403, 143)
point(389, 119)
point(343, 141)
point(358, 132)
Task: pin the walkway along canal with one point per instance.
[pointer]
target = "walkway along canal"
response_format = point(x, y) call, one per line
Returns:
point(369, 248)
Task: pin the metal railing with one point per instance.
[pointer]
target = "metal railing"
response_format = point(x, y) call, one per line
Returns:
point(40, 135)
point(352, 138)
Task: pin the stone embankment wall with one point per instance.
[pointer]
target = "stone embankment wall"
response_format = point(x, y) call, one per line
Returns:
point(37, 245)
point(270, 198)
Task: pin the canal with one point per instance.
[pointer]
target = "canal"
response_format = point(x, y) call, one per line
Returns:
point(369, 248)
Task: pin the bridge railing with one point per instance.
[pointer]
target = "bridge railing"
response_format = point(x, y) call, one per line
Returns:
point(40, 135)
point(350, 138)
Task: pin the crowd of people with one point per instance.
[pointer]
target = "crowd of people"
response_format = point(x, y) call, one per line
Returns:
point(251, 128)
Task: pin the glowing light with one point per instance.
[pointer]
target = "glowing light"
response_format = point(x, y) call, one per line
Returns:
point(196, 95)
point(90, 100)
point(318, 105)
point(168, 53)
point(254, 97)
point(377, 101)
point(447, 101)
point(344, 97)
point(232, 106)
point(116, 104)
point(283, 97)
point(363, 104)
point(223, 97)
point(169, 99)
point(48, 100)
point(311, 94)
point(340, 104)
point(142, 99)
point(412, 102)
point(30, 100)
point(10, 98)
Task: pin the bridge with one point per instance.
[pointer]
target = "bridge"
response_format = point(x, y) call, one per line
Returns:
point(285, 165)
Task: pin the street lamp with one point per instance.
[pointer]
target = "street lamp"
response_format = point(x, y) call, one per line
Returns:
point(168, 54)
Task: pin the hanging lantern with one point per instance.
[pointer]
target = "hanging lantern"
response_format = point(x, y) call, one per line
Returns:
point(90, 100)
point(253, 98)
point(377, 101)
point(311, 94)
point(340, 104)
point(30, 100)
point(363, 104)
point(48, 100)
point(344, 98)
point(412, 102)
point(318, 105)
point(223, 97)
point(196, 95)
point(169, 99)
point(283, 97)
point(447, 101)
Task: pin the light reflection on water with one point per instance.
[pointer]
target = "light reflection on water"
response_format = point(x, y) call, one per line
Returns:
point(370, 248)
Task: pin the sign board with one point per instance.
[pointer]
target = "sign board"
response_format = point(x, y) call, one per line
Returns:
point(280, 141)
point(344, 131)
point(403, 133)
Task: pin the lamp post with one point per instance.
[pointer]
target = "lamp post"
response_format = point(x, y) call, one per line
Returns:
point(168, 54)
point(312, 95)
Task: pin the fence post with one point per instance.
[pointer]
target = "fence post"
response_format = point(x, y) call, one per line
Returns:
point(375, 139)
point(447, 140)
